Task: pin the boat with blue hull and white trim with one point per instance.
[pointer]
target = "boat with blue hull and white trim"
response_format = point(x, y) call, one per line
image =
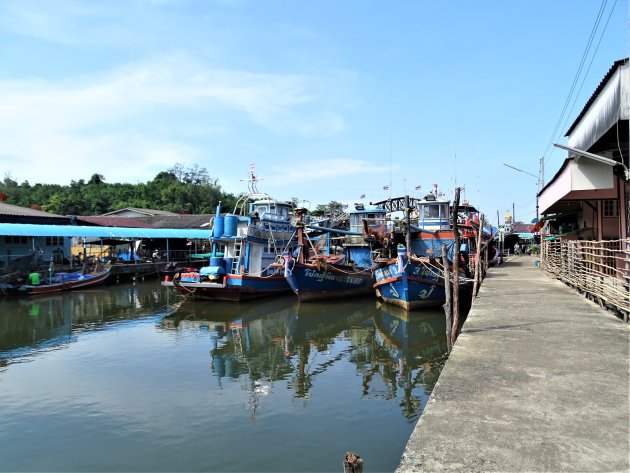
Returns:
point(410, 283)
point(245, 245)
point(409, 272)
point(316, 274)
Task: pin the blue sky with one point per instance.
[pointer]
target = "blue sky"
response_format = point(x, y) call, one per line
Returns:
point(330, 99)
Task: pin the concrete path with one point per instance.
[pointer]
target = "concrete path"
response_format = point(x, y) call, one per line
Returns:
point(539, 380)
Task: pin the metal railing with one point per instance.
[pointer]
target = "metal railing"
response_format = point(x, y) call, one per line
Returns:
point(599, 269)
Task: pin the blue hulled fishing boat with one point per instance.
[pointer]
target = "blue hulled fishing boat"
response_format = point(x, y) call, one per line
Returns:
point(245, 245)
point(317, 273)
point(409, 271)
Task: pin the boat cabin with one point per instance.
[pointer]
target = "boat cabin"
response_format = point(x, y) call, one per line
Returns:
point(250, 243)
point(374, 216)
point(433, 214)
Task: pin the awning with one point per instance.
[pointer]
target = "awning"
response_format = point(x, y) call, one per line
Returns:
point(32, 230)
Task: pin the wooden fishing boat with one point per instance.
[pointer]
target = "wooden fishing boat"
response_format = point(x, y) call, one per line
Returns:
point(409, 270)
point(66, 282)
point(316, 275)
point(245, 245)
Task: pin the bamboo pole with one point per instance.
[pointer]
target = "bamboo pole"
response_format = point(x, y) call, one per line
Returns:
point(447, 290)
point(455, 326)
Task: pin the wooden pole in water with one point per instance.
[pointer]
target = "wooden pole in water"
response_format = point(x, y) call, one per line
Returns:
point(447, 291)
point(407, 212)
point(352, 463)
point(478, 258)
point(455, 326)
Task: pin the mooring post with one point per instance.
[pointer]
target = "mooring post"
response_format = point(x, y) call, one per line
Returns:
point(455, 326)
point(447, 291)
point(352, 463)
point(478, 258)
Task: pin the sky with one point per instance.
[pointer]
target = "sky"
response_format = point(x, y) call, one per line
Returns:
point(330, 99)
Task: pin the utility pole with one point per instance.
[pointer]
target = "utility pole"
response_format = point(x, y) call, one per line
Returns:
point(513, 215)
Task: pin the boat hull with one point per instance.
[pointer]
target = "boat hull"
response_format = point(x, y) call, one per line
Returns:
point(87, 281)
point(411, 286)
point(232, 288)
point(331, 281)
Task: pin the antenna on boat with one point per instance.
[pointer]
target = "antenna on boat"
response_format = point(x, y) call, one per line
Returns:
point(252, 180)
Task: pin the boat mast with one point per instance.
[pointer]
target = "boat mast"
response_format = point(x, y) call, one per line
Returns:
point(299, 225)
point(407, 212)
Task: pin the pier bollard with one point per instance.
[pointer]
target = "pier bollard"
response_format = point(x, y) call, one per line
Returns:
point(352, 463)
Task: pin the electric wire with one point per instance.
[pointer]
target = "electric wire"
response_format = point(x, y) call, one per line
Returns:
point(577, 76)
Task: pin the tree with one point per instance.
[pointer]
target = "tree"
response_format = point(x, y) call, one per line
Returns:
point(330, 209)
point(97, 179)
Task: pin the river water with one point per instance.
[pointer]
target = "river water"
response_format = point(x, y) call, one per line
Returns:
point(131, 378)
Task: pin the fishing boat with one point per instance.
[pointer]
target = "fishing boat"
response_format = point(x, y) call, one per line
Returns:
point(245, 245)
point(63, 281)
point(409, 270)
point(317, 273)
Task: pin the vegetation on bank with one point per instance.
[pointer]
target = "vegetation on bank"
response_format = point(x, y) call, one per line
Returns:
point(179, 189)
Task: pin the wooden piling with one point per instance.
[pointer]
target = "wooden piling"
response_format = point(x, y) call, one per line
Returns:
point(478, 258)
point(352, 463)
point(447, 290)
point(455, 327)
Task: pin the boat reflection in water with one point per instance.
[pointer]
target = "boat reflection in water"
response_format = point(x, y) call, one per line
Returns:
point(29, 325)
point(397, 354)
point(411, 348)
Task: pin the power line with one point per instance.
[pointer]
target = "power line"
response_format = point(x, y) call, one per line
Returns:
point(577, 74)
point(590, 64)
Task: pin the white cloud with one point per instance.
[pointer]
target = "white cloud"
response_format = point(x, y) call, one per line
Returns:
point(145, 115)
point(325, 169)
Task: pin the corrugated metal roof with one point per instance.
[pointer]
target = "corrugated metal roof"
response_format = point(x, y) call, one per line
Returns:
point(140, 211)
point(114, 221)
point(598, 90)
point(9, 209)
point(177, 221)
point(24, 229)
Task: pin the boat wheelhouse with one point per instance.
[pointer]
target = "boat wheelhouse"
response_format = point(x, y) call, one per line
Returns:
point(244, 247)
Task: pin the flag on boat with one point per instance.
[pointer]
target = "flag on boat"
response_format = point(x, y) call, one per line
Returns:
point(385, 188)
point(418, 188)
point(345, 206)
point(362, 196)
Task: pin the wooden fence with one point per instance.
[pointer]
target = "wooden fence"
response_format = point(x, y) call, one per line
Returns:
point(598, 269)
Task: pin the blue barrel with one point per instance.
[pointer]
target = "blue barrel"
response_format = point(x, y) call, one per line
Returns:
point(217, 227)
point(402, 251)
point(216, 261)
point(231, 224)
point(228, 264)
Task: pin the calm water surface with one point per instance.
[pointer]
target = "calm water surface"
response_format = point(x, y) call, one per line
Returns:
point(130, 378)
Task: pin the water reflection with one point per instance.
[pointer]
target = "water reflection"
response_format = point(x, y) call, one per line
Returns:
point(139, 379)
point(410, 350)
point(32, 323)
point(259, 343)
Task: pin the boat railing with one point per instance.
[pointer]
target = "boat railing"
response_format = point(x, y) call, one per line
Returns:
point(261, 232)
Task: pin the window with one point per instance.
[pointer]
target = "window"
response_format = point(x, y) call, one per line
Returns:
point(54, 241)
point(610, 208)
point(15, 240)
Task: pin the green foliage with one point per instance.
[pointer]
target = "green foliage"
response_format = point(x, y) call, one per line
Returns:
point(178, 189)
point(330, 209)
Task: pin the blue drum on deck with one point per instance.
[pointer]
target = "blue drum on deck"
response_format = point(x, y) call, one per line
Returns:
point(218, 226)
point(231, 224)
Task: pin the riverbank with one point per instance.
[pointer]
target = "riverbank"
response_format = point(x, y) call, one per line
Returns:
point(537, 381)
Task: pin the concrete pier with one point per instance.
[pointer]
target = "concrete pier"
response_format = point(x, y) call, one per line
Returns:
point(539, 380)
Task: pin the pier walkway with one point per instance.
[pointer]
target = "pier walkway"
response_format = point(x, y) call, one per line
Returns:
point(539, 380)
